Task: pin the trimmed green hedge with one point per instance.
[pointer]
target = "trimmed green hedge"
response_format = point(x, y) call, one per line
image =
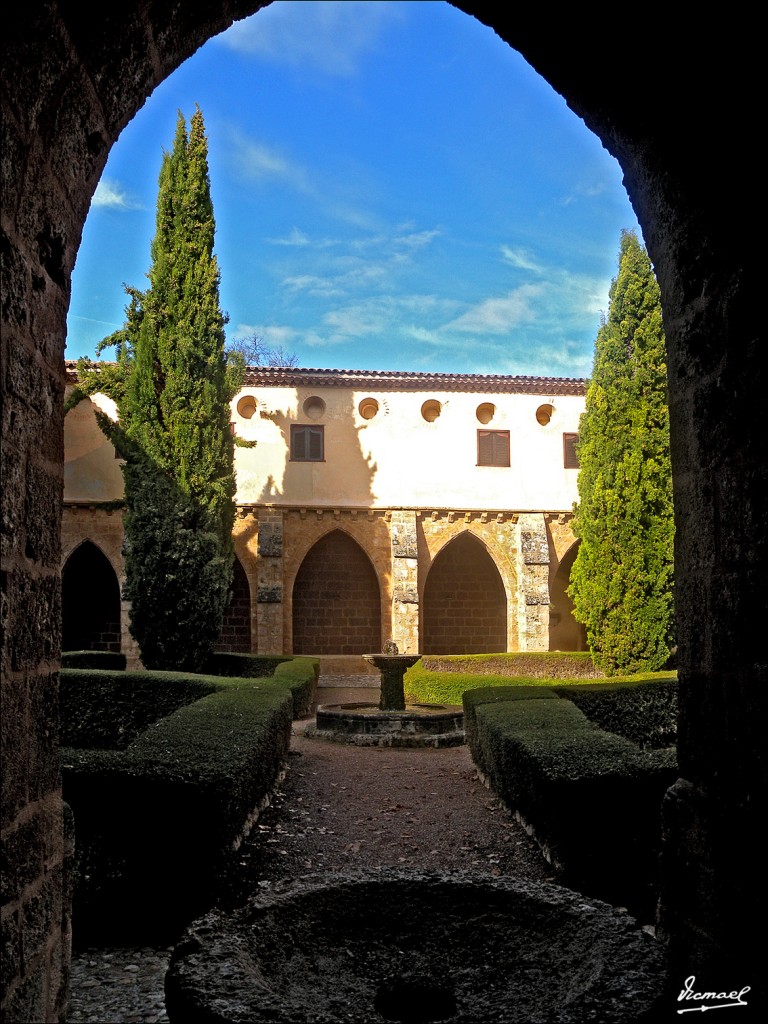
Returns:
point(641, 708)
point(108, 660)
point(108, 710)
point(424, 686)
point(243, 666)
point(157, 823)
point(591, 798)
point(298, 674)
point(535, 664)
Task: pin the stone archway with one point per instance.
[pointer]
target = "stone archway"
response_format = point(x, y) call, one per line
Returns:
point(464, 605)
point(72, 79)
point(565, 633)
point(336, 599)
point(90, 601)
point(236, 628)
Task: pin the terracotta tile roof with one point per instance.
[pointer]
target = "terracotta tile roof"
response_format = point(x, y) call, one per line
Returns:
point(400, 380)
point(403, 380)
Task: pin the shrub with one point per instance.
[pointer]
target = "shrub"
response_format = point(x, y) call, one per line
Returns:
point(641, 708)
point(534, 664)
point(243, 666)
point(157, 823)
point(93, 659)
point(108, 710)
point(299, 674)
point(591, 798)
point(430, 686)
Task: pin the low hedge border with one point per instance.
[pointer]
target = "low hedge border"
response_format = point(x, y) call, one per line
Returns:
point(107, 710)
point(513, 664)
point(300, 676)
point(157, 823)
point(235, 664)
point(427, 686)
point(592, 799)
point(108, 660)
point(641, 708)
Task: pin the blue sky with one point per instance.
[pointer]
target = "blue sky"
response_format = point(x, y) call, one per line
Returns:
point(394, 189)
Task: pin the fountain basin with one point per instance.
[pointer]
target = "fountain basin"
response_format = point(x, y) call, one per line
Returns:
point(417, 725)
point(415, 946)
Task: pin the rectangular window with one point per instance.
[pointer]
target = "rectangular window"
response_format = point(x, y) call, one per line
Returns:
point(493, 447)
point(307, 444)
point(570, 455)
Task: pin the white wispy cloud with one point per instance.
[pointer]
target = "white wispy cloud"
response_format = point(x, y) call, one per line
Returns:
point(501, 314)
point(294, 238)
point(330, 37)
point(329, 267)
point(112, 195)
point(587, 190)
point(256, 161)
point(313, 284)
point(521, 259)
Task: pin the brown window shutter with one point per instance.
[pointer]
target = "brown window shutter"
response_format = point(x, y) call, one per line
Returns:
point(315, 439)
point(307, 443)
point(493, 448)
point(570, 454)
point(298, 444)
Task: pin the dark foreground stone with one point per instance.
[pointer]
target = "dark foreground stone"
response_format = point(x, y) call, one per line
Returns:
point(415, 947)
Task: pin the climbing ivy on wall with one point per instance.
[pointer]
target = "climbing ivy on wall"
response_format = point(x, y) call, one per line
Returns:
point(622, 578)
point(173, 382)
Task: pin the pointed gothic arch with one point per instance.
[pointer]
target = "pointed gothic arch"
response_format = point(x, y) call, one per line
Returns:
point(464, 609)
point(565, 633)
point(90, 599)
point(236, 629)
point(336, 599)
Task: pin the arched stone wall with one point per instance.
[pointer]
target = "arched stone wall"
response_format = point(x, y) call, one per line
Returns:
point(336, 600)
point(498, 534)
point(464, 607)
point(236, 628)
point(565, 633)
point(72, 78)
point(304, 528)
point(90, 601)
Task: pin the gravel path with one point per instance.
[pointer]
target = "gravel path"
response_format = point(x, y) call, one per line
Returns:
point(338, 807)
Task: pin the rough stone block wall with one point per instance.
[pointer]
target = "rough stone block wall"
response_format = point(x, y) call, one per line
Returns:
point(405, 575)
point(369, 529)
point(336, 600)
point(534, 578)
point(498, 533)
point(236, 629)
point(465, 607)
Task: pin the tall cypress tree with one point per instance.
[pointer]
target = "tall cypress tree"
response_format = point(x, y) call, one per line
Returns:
point(173, 385)
point(622, 578)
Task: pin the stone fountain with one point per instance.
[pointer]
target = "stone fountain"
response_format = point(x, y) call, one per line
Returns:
point(391, 722)
point(416, 946)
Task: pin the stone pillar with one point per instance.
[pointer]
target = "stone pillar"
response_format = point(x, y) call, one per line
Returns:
point(534, 581)
point(269, 593)
point(405, 582)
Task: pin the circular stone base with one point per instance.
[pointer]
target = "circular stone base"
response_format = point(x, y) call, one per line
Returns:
point(416, 946)
point(419, 725)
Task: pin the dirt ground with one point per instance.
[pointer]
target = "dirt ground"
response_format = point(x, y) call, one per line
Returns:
point(343, 806)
